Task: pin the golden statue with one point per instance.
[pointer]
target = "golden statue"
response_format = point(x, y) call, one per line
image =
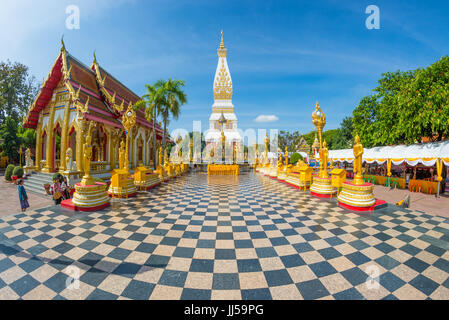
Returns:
point(160, 156)
point(121, 155)
point(324, 158)
point(28, 160)
point(286, 156)
point(68, 159)
point(166, 160)
point(358, 152)
point(280, 161)
point(87, 155)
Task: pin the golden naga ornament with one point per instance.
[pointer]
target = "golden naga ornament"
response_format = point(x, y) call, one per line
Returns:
point(319, 120)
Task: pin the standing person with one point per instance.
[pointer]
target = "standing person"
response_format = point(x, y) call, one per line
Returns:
point(65, 188)
point(57, 191)
point(23, 197)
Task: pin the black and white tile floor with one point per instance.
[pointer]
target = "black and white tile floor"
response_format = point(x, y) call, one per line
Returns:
point(221, 237)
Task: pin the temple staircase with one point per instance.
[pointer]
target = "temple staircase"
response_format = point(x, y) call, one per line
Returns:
point(36, 180)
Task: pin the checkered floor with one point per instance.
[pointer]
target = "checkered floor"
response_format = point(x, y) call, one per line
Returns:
point(222, 237)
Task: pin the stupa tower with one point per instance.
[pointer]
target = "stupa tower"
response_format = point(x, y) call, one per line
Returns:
point(222, 106)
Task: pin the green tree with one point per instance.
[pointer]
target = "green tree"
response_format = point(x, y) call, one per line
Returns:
point(152, 103)
point(17, 90)
point(406, 107)
point(174, 97)
point(11, 141)
point(27, 137)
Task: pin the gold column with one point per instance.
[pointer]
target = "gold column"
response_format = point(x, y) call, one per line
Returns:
point(79, 145)
point(38, 145)
point(50, 134)
point(111, 142)
point(64, 136)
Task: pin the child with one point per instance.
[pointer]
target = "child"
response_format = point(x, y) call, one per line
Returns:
point(57, 191)
point(23, 197)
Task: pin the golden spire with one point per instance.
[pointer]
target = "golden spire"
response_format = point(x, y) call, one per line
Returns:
point(62, 43)
point(222, 46)
point(95, 58)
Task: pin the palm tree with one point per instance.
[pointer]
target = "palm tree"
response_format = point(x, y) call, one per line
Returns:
point(152, 102)
point(174, 97)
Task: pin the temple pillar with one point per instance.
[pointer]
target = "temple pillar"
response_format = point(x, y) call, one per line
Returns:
point(111, 143)
point(50, 136)
point(38, 145)
point(64, 137)
point(79, 145)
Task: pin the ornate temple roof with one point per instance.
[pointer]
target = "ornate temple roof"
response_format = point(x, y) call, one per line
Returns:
point(104, 93)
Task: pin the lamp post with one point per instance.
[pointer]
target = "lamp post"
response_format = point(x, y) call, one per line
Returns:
point(20, 156)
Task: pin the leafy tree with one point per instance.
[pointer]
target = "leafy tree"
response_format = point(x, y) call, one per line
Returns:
point(17, 90)
point(406, 107)
point(11, 142)
point(173, 98)
point(27, 137)
point(152, 103)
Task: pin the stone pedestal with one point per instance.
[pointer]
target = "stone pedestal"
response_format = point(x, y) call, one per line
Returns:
point(152, 180)
point(359, 197)
point(129, 190)
point(322, 188)
point(88, 198)
point(294, 179)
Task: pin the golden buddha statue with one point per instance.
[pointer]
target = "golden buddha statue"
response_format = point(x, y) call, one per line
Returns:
point(121, 155)
point(286, 156)
point(68, 159)
point(324, 158)
point(87, 156)
point(160, 156)
point(358, 152)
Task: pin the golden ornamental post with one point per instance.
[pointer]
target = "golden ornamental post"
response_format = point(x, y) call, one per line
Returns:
point(128, 122)
point(319, 121)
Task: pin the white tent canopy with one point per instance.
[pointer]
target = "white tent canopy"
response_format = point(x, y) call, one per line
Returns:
point(425, 153)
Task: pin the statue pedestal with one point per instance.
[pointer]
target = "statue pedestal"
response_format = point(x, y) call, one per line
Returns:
point(359, 197)
point(294, 179)
point(151, 180)
point(88, 198)
point(122, 185)
point(322, 188)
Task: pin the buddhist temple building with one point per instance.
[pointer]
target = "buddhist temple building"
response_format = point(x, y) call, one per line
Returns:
point(74, 94)
point(222, 109)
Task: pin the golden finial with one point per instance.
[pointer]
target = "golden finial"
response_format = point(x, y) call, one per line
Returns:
point(86, 106)
point(222, 46)
point(95, 58)
point(62, 43)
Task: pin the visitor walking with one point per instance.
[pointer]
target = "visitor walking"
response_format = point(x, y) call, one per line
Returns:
point(23, 197)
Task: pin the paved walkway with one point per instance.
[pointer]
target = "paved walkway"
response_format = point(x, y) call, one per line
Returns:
point(222, 237)
point(418, 201)
point(9, 199)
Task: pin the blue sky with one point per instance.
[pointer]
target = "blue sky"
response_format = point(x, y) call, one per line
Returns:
point(283, 55)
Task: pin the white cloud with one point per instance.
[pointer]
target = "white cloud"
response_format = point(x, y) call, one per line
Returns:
point(266, 118)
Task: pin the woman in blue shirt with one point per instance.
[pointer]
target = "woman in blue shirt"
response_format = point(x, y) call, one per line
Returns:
point(23, 197)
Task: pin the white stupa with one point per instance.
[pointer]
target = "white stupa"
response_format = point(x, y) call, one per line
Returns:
point(222, 106)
